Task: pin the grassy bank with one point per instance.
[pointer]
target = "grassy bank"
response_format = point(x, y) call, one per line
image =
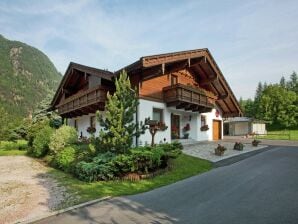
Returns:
point(184, 166)
point(281, 135)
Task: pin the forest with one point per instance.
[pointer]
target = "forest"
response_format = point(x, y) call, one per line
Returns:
point(275, 103)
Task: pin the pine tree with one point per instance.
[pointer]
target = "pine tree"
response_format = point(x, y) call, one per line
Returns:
point(282, 82)
point(119, 126)
point(259, 91)
point(293, 83)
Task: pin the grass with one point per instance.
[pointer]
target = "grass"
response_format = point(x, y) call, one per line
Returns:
point(10, 145)
point(9, 148)
point(184, 166)
point(281, 135)
point(14, 152)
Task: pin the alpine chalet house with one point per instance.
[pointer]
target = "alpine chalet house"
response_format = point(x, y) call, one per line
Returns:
point(185, 90)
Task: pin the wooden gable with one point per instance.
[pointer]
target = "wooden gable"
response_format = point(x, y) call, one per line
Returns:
point(153, 74)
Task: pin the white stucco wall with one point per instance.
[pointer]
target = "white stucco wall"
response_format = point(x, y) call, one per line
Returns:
point(145, 110)
point(208, 135)
point(83, 123)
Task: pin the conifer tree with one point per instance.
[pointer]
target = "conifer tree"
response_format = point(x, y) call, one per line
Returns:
point(119, 126)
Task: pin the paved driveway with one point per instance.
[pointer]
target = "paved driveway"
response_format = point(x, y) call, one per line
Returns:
point(260, 189)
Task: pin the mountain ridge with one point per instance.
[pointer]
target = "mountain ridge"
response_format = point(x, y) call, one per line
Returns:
point(27, 76)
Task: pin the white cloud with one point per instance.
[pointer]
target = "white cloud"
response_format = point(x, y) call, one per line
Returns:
point(250, 41)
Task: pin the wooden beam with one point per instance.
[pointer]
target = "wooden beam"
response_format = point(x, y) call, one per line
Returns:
point(181, 105)
point(223, 96)
point(208, 81)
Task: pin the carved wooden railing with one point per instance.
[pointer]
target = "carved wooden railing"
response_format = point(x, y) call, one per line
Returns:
point(180, 93)
point(83, 99)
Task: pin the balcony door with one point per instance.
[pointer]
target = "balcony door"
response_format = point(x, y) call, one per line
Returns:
point(175, 126)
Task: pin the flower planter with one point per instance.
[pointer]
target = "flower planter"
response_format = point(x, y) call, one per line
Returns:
point(238, 146)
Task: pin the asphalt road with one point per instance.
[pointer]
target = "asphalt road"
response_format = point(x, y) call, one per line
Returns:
point(260, 189)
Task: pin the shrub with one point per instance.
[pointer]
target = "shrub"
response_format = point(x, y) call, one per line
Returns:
point(41, 142)
point(101, 168)
point(64, 136)
point(145, 159)
point(13, 145)
point(123, 163)
point(172, 150)
point(65, 158)
point(34, 129)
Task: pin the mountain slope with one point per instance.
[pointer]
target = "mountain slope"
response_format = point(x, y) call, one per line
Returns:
point(26, 77)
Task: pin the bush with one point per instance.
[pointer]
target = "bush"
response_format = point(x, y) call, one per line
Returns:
point(41, 142)
point(145, 159)
point(172, 150)
point(34, 129)
point(13, 145)
point(65, 159)
point(64, 136)
point(101, 168)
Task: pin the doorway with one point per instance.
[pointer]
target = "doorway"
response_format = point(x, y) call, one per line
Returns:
point(216, 129)
point(175, 126)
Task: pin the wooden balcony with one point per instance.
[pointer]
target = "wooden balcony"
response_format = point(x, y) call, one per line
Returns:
point(188, 98)
point(85, 102)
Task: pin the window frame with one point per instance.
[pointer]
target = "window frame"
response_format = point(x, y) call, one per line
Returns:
point(160, 111)
point(203, 120)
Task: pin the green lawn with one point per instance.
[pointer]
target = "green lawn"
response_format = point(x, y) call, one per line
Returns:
point(281, 135)
point(184, 166)
point(14, 152)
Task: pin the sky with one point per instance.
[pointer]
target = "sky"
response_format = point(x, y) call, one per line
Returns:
point(251, 41)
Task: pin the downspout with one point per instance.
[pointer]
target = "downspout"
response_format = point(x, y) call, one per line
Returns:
point(137, 115)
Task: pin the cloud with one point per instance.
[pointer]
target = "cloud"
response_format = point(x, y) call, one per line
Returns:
point(251, 41)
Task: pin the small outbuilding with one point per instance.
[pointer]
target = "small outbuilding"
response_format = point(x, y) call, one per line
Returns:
point(244, 126)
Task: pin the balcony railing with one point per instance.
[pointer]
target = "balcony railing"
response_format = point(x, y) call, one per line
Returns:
point(84, 99)
point(187, 97)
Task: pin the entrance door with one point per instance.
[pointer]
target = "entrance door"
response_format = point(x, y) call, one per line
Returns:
point(216, 129)
point(175, 126)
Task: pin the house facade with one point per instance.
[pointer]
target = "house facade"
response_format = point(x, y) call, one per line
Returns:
point(184, 90)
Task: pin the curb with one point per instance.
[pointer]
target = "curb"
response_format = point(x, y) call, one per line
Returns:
point(54, 213)
point(237, 158)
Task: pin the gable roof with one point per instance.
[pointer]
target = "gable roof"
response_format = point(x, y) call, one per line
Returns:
point(227, 101)
point(85, 70)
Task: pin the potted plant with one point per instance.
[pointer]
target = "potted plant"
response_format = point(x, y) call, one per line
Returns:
point(91, 130)
point(186, 129)
point(219, 150)
point(255, 142)
point(238, 146)
point(205, 127)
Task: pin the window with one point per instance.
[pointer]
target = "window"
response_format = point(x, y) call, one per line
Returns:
point(76, 124)
point(174, 80)
point(158, 114)
point(203, 120)
point(92, 122)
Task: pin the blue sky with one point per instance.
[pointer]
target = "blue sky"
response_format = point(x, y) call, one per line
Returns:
point(250, 40)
